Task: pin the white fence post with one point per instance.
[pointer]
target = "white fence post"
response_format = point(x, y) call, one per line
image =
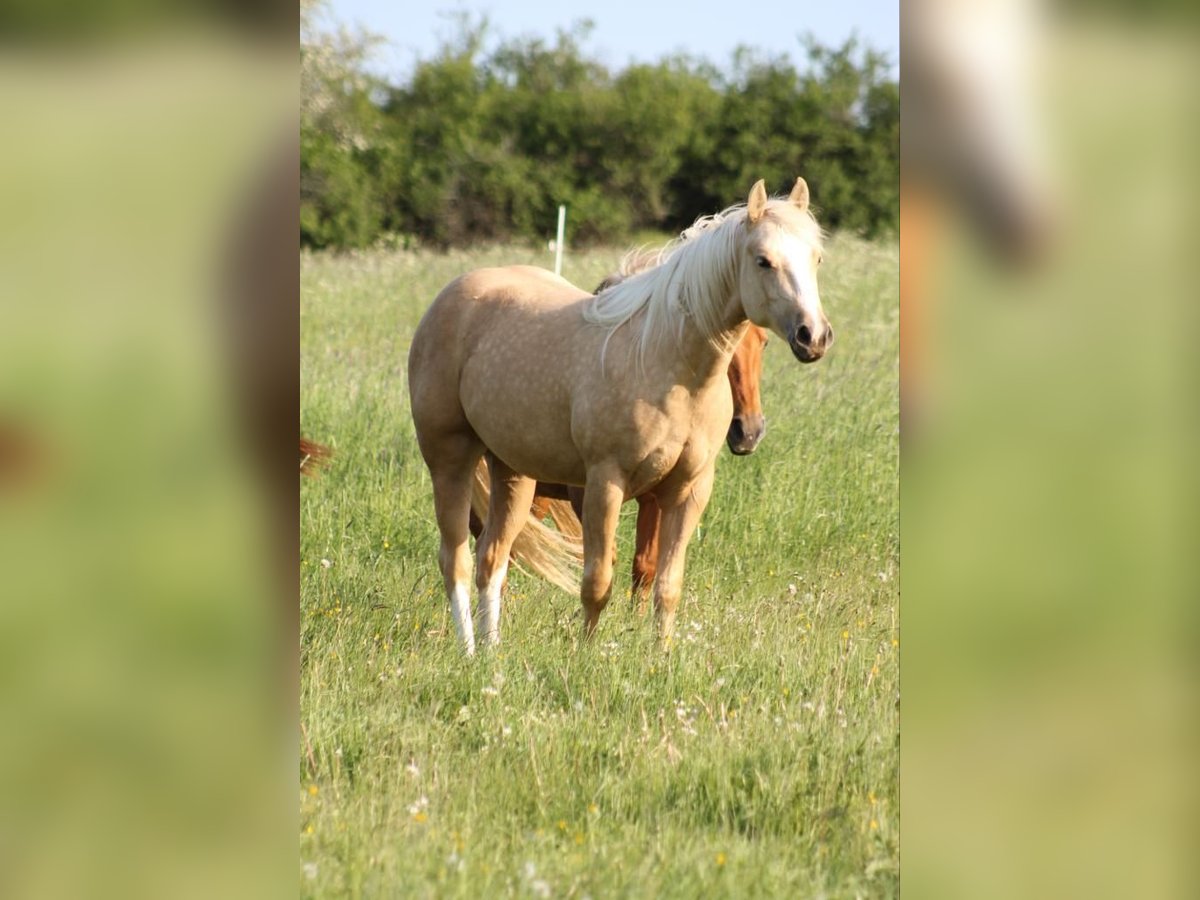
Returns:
point(558, 241)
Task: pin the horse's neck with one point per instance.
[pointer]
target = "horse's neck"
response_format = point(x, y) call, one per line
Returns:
point(704, 359)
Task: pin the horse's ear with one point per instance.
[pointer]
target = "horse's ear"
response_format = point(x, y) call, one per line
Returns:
point(799, 194)
point(757, 203)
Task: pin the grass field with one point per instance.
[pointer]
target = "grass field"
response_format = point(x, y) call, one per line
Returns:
point(758, 758)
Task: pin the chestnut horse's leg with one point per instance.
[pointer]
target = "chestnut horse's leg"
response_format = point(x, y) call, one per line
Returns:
point(601, 510)
point(645, 559)
point(681, 510)
point(508, 511)
point(575, 496)
point(451, 467)
point(540, 508)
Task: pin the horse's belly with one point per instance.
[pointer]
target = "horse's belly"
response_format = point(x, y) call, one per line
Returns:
point(558, 466)
point(524, 421)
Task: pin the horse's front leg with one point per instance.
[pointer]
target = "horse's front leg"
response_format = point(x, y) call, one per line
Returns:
point(601, 509)
point(681, 510)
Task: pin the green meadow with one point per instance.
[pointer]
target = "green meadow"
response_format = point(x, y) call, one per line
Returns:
point(758, 757)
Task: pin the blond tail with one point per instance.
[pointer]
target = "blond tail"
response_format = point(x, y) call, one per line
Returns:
point(562, 514)
point(549, 554)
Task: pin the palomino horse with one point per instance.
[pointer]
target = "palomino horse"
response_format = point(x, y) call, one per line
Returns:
point(745, 431)
point(623, 393)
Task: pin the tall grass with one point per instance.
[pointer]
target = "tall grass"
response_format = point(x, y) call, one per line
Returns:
point(758, 758)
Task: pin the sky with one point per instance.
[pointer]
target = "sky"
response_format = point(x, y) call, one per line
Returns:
point(630, 30)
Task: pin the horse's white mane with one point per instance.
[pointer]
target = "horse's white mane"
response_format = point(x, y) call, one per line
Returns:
point(688, 279)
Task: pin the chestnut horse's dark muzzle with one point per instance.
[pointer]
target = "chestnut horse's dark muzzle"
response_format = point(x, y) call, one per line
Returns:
point(744, 433)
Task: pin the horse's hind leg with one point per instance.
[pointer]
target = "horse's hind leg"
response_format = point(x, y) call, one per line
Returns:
point(451, 467)
point(508, 511)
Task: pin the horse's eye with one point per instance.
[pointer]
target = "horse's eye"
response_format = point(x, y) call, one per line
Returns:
point(763, 262)
point(820, 258)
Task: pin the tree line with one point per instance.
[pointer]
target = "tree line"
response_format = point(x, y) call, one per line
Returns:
point(482, 145)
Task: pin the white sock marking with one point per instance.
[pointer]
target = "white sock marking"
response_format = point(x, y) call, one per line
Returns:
point(460, 612)
point(489, 606)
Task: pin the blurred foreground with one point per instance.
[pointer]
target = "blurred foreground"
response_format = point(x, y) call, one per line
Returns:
point(146, 719)
point(1049, 437)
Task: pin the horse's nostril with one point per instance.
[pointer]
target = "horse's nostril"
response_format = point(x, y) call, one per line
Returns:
point(735, 430)
point(803, 335)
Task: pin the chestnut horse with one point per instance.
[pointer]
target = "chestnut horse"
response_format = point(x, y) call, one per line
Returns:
point(624, 393)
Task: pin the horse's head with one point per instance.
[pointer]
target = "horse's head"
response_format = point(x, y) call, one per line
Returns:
point(777, 277)
point(745, 372)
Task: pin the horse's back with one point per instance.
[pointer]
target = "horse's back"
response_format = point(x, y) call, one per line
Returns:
point(527, 287)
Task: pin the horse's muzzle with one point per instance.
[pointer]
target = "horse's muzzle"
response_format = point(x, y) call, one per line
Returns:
point(745, 432)
point(808, 347)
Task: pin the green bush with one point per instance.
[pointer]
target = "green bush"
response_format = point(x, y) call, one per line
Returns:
point(481, 147)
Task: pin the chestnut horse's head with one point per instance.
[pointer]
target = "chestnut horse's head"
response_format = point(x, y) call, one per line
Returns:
point(745, 373)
